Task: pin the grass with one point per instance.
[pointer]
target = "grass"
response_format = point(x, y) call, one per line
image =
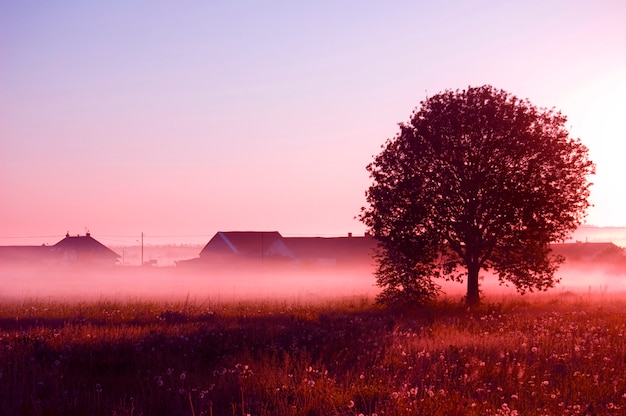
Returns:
point(561, 354)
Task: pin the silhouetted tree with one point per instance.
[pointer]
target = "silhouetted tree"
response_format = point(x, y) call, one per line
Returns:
point(478, 179)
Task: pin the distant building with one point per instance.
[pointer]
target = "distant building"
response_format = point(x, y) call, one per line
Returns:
point(245, 244)
point(243, 247)
point(82, 250)
point(270, 246)
point(588, 252)
point(24, 255)
point(72, 250)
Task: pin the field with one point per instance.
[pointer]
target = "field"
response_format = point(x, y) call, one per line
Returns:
point(558, 354)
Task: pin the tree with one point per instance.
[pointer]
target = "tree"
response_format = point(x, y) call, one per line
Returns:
point(476, 180)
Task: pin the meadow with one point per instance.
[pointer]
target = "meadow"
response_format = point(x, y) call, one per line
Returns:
point(550, 354)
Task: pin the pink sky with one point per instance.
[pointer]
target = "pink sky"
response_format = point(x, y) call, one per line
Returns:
point(182, 119)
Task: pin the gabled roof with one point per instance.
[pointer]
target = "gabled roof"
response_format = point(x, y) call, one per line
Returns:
point(84, 245)
point(251, 244)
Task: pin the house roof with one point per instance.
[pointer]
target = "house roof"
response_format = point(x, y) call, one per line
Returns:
point(21, 253)
point(330, 247)
point(245, 243)
point(85, 244)
point(585, 250)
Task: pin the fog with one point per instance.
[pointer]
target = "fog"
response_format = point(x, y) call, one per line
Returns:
point(242, 281)
point(250, 281)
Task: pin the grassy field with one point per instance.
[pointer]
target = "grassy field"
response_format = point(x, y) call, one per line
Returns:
point(559, 354)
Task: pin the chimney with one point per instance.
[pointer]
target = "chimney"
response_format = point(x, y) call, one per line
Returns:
point(349, 235)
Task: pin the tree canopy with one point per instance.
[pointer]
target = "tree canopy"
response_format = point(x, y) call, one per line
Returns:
point(478, 179)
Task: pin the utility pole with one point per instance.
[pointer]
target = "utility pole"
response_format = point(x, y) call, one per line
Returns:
point(142, 248)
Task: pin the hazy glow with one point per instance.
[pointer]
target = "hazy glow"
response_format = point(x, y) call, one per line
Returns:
point(182, 120)
point(599, 108)
point(239, 282)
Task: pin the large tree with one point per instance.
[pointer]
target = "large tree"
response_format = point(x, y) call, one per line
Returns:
point(476, 180)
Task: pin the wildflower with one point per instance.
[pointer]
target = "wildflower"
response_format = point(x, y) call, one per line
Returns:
point(350, 404)
point(545, 383)
point(311, 383)
point(534, 349)
point(514, 397)
point(183, 376)
point(98, 388)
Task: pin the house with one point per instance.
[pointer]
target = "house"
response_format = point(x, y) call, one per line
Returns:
point(24, 255)
point(332, 250)
point(245, 244)
point(77, 250)
point(270, 246)
point(588, 252)
point(83, 250)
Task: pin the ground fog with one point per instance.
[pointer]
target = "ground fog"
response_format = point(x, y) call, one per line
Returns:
point(251, 281)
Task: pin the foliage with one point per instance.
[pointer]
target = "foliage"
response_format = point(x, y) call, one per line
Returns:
point(561, 355)
point(478, 179)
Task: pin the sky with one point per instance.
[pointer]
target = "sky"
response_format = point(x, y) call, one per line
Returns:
point(181, 119)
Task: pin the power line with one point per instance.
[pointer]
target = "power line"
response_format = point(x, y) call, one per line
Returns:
point(31, 236)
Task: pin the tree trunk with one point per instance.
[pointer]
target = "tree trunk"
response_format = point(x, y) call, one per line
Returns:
point(473, 295)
